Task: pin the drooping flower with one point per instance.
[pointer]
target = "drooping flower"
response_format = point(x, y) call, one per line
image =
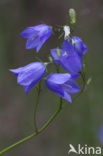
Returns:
point(100, 134)
point(63, 84)
point(29, 75)
point(79, 45)
point(36, 36)
point(69, 58)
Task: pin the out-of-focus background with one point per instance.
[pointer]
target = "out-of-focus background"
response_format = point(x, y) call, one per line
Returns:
point(80, 121)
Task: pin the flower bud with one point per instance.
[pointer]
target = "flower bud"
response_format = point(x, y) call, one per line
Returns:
point(45, 64)
point(50, 59)
point(58, 52)
point(89, 81)
point(72, 15)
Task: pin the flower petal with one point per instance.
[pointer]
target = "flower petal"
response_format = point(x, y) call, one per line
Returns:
point(67, 97)
point(32, 43)
point(54, 87)
point(72, 63)
point(29, 32)
point(28, 87)
point(74, 76)
point(59, 78)
point(54, 55)
point(71, 87)
point(43, 39)
point(68, 47)
point(41, 27)
point(79, 45)
point(30, 74)
point(16, 71)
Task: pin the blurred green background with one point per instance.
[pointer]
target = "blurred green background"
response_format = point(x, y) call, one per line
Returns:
point(79, 122)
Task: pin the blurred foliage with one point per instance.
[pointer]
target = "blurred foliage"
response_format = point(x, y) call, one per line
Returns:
point(79, 122)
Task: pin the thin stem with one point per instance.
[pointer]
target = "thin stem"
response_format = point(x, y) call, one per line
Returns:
point(36, 133)
point(83, 87)
point(18, 143)
point(38, 59)
point(53, 117)
point(57, 66)
point(61, 35)
point(84, 81)
point(36, 106)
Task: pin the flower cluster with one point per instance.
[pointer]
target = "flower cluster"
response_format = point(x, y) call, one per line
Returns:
point(69, 57)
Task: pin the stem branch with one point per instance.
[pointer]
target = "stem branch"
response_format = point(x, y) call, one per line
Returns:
point(36, 106)
point(36, 133)
point(83, 86)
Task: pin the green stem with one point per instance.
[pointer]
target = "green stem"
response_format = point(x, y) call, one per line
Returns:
point(84, 80)
point(83, 87)
point(36, 133)
point(36, 106)
point(53, 117)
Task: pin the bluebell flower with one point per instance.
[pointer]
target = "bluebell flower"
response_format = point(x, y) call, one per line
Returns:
point(79, 45)
point(63, 84)
point(29, 75)
point(69, 58)
point(36, 36)
point(100, 134)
